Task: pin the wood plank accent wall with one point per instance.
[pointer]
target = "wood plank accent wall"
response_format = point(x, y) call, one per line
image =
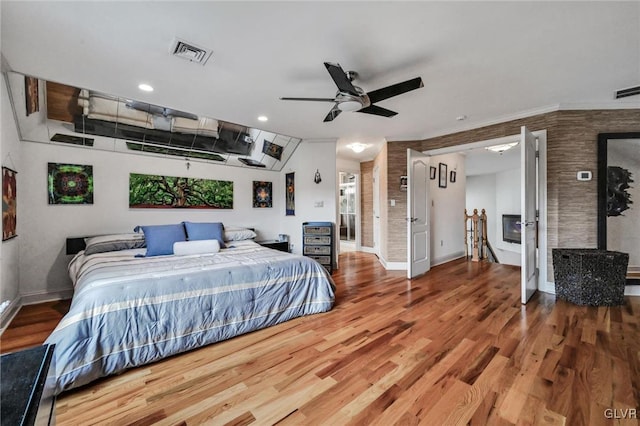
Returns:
point(366, 203)
point(571, 146)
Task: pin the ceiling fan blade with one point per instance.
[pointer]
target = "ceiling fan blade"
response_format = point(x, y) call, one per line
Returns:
point(340, 78)
point(376, 110)
point(335, 111)
point(395, 90)
point(310, 99)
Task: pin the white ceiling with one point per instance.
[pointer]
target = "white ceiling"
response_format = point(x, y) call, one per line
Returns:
point(480, 161)
point(487, 60)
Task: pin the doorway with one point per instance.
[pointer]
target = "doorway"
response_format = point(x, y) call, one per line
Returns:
point(348, 204)
point(539, 188)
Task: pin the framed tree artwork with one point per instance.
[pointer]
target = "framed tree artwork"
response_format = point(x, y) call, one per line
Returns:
point(169, 192)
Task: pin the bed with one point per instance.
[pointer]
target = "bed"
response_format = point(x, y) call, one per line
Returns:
point(128, 310)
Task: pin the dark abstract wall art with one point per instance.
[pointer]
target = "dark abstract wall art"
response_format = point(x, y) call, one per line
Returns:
point(290, 191)
point(170, 192)
point(272, 150)
point(70, 184)
point(262, 194)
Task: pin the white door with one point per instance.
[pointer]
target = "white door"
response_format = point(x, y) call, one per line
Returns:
point(376, 210)
point(418, 259)
point(528, 223)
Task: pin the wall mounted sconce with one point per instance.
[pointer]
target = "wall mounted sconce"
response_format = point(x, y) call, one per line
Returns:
point(317, 178)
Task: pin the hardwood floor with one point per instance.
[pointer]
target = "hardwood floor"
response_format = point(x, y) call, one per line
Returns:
point(452, 347)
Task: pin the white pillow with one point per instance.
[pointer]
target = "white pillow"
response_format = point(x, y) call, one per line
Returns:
point(238, 234)
point(184, 248)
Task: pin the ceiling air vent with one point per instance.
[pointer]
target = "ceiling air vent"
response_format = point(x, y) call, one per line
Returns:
point(628, 92)
point(189, 51)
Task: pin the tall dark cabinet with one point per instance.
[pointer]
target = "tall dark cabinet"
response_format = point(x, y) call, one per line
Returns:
point(318, 242)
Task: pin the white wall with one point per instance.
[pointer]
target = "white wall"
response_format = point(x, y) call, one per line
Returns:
point(507, 202)
point(481, 194)
point(447, 208)
point(10, 249)
point(45, 227)
point(309, 157)
point(498, 193)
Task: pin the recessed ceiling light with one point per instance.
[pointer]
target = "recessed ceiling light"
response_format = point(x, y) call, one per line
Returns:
point(263, 118)
point(145, 87)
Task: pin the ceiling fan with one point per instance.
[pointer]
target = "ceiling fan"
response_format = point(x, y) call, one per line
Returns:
point(353, 98)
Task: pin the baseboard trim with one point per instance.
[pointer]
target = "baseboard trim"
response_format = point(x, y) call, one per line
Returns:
point(448, 258)
point(548, 287)
point(9, 313)
point(392, 266)
point(46, 296)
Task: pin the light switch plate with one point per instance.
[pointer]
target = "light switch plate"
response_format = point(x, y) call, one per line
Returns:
point(584, 175)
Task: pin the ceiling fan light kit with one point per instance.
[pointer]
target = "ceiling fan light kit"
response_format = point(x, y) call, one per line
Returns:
point(353, 99)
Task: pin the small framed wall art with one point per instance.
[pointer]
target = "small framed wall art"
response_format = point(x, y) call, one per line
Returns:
point(452, 176)
point(432, 173)
point(290, 191)
point(262, 194)
point(442, 178)
point(70, 183)
point(9, 204)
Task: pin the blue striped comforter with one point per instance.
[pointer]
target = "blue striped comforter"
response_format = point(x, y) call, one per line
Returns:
point(128, 311)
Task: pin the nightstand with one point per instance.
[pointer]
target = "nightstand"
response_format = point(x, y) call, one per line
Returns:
point(275, 244)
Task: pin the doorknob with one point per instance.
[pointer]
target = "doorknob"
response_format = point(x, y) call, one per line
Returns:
point(412, 219)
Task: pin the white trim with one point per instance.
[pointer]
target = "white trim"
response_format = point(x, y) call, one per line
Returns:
point(46, 296)
point(542, 208)
point(9, 313)
point(632, 290)
point(610, 105)
point(393, 266)
point(618, 104)
point(447, 258)
point(367, 249)
point(547, 287)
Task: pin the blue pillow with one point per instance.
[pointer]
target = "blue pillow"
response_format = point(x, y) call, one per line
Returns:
point(160, 238)
point(205, 231)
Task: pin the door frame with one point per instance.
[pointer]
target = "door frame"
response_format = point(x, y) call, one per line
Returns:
point(543, 258)
point(358, 206)
point(376, 200)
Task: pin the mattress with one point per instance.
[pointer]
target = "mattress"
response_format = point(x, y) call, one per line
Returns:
point(129, 310)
